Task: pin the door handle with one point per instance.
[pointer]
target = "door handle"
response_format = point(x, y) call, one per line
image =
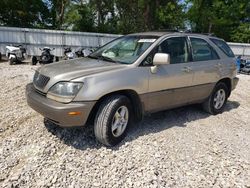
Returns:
point(186, 69)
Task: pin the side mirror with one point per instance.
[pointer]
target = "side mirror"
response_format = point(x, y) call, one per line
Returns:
point(161, 59)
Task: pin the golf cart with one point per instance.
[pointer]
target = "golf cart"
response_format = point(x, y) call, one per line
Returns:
point(15, 54)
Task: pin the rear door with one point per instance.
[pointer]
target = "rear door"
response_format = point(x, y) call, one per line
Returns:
point(206, 68)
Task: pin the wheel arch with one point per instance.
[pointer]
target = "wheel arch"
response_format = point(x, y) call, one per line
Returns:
point(228, 83)
point(130, 94)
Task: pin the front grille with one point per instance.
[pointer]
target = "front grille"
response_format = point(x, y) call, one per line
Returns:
point(40, 81)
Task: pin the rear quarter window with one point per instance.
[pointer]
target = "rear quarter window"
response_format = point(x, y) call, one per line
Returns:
point(223, 46)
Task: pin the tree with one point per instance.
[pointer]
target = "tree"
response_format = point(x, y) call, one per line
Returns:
point(80, 17)
point(104, 11)
point(220, 17)
point(145, 15)
point(241, 33)
point(57, 12)
point(169, 15)
point(23, 13)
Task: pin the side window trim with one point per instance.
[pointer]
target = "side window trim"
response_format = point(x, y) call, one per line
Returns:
point(190, 49)
point(211, 47)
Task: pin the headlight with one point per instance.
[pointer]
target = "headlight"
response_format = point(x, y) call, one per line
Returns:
point(64, 91)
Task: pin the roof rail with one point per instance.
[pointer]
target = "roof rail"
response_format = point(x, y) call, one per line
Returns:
point(184, 31)
point(208, 34)
point(166, 30)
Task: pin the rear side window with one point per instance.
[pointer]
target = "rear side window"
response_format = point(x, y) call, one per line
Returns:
point(202, 51)
point(223, 46)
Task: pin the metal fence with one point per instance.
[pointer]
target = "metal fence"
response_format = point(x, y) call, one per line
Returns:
point(33, 39)
point(242, 49)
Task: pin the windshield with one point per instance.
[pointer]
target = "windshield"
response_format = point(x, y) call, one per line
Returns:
point(125, 49)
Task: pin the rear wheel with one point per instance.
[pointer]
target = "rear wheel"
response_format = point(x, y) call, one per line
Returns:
point(12, 61)
point(112, 120)
point(217, 100)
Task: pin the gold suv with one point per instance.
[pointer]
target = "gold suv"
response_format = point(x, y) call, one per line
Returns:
point(131, 76)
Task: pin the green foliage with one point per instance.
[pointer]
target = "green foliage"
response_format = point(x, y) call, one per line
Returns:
point(23, 13)
point(110, 16)
point(80, 18)
point(228, 19)
point(145, 15)
point(166, 20)
point(220, 17)
point(241, 33)
point(57, 12)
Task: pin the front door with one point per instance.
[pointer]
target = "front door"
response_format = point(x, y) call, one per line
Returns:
point(169, 86)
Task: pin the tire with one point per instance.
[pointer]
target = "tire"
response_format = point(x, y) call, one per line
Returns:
point(109, 116)
point(211, 105)
point(12, 61)
point(34, 60)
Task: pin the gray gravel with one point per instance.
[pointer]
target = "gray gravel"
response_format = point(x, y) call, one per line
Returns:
point(184, 147)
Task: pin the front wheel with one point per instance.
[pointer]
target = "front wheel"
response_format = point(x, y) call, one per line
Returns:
point(217, 100)
point(112, 120)
point(34, 60)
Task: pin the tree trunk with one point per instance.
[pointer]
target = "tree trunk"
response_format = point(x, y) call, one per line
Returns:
point(61, 15)
point(210, 27)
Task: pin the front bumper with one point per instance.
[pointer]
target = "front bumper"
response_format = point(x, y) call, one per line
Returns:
point(58, 112)
point(235, 81)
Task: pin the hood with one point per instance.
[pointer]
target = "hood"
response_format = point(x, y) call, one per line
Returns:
point(72, 69)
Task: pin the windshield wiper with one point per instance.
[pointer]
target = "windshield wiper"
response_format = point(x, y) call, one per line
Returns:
point(92, 57)
point(105, 58)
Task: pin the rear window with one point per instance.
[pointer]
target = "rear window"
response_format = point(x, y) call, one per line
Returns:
point(223, 46)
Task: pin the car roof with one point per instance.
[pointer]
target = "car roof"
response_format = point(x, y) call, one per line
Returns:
point(163, 33)
point(152, 33)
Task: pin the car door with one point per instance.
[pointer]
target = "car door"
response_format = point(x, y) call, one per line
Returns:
point(206, 68)
point(169, 85)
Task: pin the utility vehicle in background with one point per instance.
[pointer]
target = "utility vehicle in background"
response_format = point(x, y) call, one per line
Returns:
point(15, 54)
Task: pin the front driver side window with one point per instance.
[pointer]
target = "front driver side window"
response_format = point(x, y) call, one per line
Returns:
point(176, 47)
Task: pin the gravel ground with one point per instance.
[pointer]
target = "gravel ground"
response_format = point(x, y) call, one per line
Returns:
point(184, 147)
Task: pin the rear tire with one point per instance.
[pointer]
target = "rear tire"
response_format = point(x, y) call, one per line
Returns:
point(217, 100)
point(12, 61)
point(113, 119)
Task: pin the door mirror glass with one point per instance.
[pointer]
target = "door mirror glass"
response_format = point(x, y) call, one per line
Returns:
point(161, 59)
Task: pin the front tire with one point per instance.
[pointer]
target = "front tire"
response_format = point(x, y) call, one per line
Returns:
point(34, 60)
point(112, 120)
point(217, 100)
